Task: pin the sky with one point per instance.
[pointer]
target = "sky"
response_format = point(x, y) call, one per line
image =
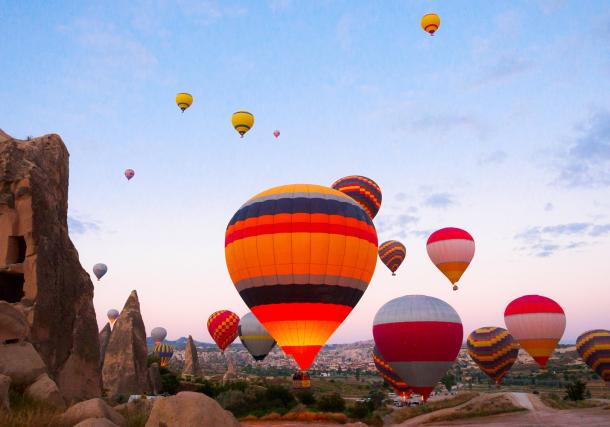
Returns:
point(499, 124)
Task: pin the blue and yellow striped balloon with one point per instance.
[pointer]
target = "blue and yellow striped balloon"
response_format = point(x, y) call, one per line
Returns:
point(164, 352)
point(493, 350)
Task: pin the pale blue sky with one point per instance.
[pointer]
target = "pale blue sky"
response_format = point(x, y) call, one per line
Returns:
point(499, 124)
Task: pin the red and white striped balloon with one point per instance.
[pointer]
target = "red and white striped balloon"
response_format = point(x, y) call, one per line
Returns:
point(451, 250)
point(537, 323)
point(420, 337)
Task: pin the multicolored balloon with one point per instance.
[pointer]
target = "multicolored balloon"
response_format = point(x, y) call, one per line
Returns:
point(129, 173)
point(99, 270)
point(158, 334)
point(392, 253)
point(363, 190)
point(184, 100)
point(242, 121)
point(112, 314)
point(420, 337)
point(451, 250)
point(430, 23)
point(164, 352)
point(276, 133)
point(222, 325)
point(594, 348)
point(301, 256)
point(255, 337)
point(537, 323)
point(301, 380)
point(389, 376)
point(493, 350)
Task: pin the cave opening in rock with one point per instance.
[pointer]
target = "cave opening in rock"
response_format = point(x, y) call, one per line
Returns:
point(11, 287)
point(16, 250)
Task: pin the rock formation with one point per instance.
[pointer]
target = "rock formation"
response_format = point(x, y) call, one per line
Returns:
point(40, 274)
point(124, 371)
point(104, 338)
point(154, 376)
point(93, 408)
point(191, 409)
point(45, 389)
point(231, 373)
point(5, 383)
point(191, 362)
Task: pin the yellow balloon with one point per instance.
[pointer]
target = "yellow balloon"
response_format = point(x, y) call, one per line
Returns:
point(242, 122)
point(430, 22)
point(184, 100)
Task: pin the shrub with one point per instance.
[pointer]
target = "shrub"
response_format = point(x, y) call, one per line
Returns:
point(306, 397)
point(360, 410)
point(332, 402)
point(169, 382)
point(576, 390)
point(280, 394)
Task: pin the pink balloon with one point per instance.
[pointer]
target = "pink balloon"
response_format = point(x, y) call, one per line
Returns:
point(129, 173)
point(276, 133)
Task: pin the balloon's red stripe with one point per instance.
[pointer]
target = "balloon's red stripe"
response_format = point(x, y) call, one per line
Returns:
point(532, 304)
point(449, 233)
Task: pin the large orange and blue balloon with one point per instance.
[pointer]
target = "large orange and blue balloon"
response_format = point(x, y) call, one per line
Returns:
point(537, 323)
point(420, 337)
point(363, 190)
point(164, 352)
point(301, 257)
point(392, 253)
point(222, 326)
point(594, 348)
point(389, 376)
point(493, 350)
point(451, 250)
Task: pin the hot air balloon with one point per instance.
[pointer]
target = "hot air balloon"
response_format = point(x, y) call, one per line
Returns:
point(389, 376)
point(255, 337)
point(363, 190)
point(493, 350)
point(158, 334)
point(301, 380)
point(112, 314)
point(222, 326)
point(129, 173)
point(301, 256)
point(99, 270)
point(420, 337)
point(537, 323)
point(594, 348)
point(451, 250)
point(184, 100)
point(242, 122)
point(276, 133)
point(164, 352)
point(392, 253)
point(430, 23)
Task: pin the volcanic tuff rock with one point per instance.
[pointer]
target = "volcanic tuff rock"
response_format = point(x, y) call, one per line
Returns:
point(191, 409)
point(104, 338)
point(191, 362)
point(5, 384)
point(21, 362)
point(125, 371)
point(154, 376)
point(13, 324)
point(92, 408)
point(96, 422)
point(40, 273)
point(45, 389)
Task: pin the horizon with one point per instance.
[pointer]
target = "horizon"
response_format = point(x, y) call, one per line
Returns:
point(498, 124)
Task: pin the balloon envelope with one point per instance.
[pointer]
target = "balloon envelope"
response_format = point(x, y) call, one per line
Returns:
point(164, 352)
point(276, 133)
point(493, 350)
point(99, 270)
point(537, 323)
point(222, 326)
point(184, 100)
point(158, 334)
point(430, 23)
point(129, 173)
point(392, 253)
point(420, 337)
point(363, 190)
point(255, 337)
point(594, 348)
point(112, 314)
point(451, 250)
point(242, 121)
point(389, 376)
point(301, 256)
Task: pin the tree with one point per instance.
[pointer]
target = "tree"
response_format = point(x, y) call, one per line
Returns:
point(576, 390)
point(306, 397)
point(448, 381)
point(332, 402)
point(376, 397)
